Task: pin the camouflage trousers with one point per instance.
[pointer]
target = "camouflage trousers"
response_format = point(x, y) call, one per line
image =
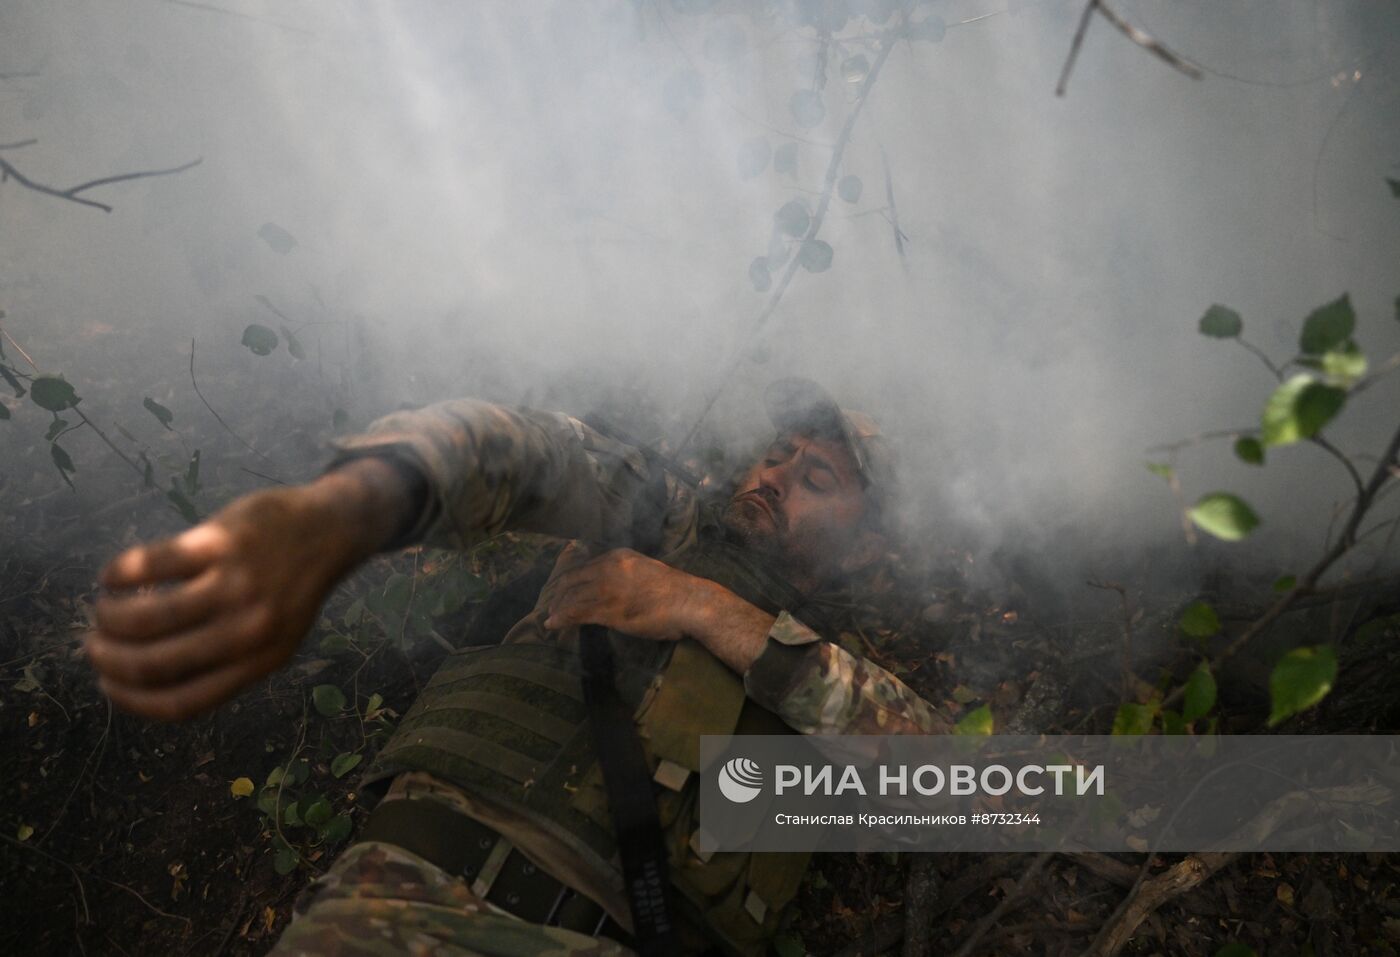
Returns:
point(379, 899)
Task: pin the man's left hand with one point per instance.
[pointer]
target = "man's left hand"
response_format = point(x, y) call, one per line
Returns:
point(628, 592)
point(642, 597)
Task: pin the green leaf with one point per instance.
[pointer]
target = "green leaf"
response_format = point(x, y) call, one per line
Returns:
point(1236, 950)
point(1221, 322)
point(55, 428)
point(267, 803)
point(328, 699)
point(815, 255)
point(1224, 515)
point(1327, 327)
point(1249, 450)
point(1344, 365)
point(61, 458)
point(192, 474)
point(336, 829)
point(182, 504)
point(260, 339)
point(333, 643)
point(1161, 470)
point(316, 813)
point(53, 393)
point(293, 344)
point(375, 702)
point(760, 275)
point(1298, 409)
point(1285, 583)
point(975, 722)
point(785, 159)
point(162, 414)
point(856, 68)
point(9, 377)
point(4, 411)
point(278, 239)
point(1200, 694)
point(290, 816)
point(1134, 718)
point(1199, 620)
point(285, 861)
point(793, 218)
point(1173, 723)
point(274, 777)
point(807, 108)
point(849, 188)
point(753, 157)
point(299, 771)
point(344, 764)
point(1300, 680)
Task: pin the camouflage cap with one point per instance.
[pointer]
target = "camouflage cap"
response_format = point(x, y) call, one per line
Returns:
point(800, 405)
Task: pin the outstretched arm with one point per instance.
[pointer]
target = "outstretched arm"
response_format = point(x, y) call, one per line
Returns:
point(189, 621)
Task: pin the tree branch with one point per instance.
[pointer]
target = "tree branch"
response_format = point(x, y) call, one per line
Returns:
point(8, 171)
point(1140, 37)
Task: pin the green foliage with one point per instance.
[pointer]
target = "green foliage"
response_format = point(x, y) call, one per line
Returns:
point(1221, 322)
point(163, 415)
point(1249, 450)
point(53, 393)
point(4, 411)
point(1285, 583)
point(1299, 408)
point(63, 462)
point(1327, 327)
point(1345, 365)
point(1134, 718)
point(979, 721)
point(849, 188)
point(1224, 515)
point(1199, 620)
point(1199, 695)
point(259, 339)
point(345, 763)
point(815, 255)
point(1161, 470)
point(1301, 679)
point(55, 428)
point(328, 699)
point(293, 344)
point(181, 502)
point(792, 218)
point(278, 239)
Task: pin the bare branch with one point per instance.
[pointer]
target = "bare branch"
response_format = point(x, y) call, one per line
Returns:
point(227, 428)
point(1337, 454)
point(8, 171)
point(21, 144)
point(1138, 36)
point(1275, 370)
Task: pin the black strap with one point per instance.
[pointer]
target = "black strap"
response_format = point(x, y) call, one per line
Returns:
point(639, 840)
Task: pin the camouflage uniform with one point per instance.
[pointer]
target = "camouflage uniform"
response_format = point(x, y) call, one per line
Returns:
point(491, 469)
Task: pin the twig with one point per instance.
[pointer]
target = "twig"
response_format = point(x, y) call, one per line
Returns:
point(1336, 453)
point(269, 478)
point(891, 37)
point(227, 428)
point(1200, 437)
point(1012, 897)
point(1273, 369)
point(889, 200)
point(1140, 37)
point(1309, 581)
point(21, 143)
point(97, 753)
point(18, 349)
point(1146, 897)
point(7, 171)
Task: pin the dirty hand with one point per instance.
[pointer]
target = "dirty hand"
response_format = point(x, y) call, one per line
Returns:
point(630, 593)
point(644, 598)
point(232, 597)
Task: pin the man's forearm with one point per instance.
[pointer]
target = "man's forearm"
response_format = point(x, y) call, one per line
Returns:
point(369, 503)
point(731, 629)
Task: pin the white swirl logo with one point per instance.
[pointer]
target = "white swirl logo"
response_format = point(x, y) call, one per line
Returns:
point(740, 780)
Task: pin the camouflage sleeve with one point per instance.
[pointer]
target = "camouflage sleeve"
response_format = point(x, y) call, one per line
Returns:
point(818, 687)
point(491, 469)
